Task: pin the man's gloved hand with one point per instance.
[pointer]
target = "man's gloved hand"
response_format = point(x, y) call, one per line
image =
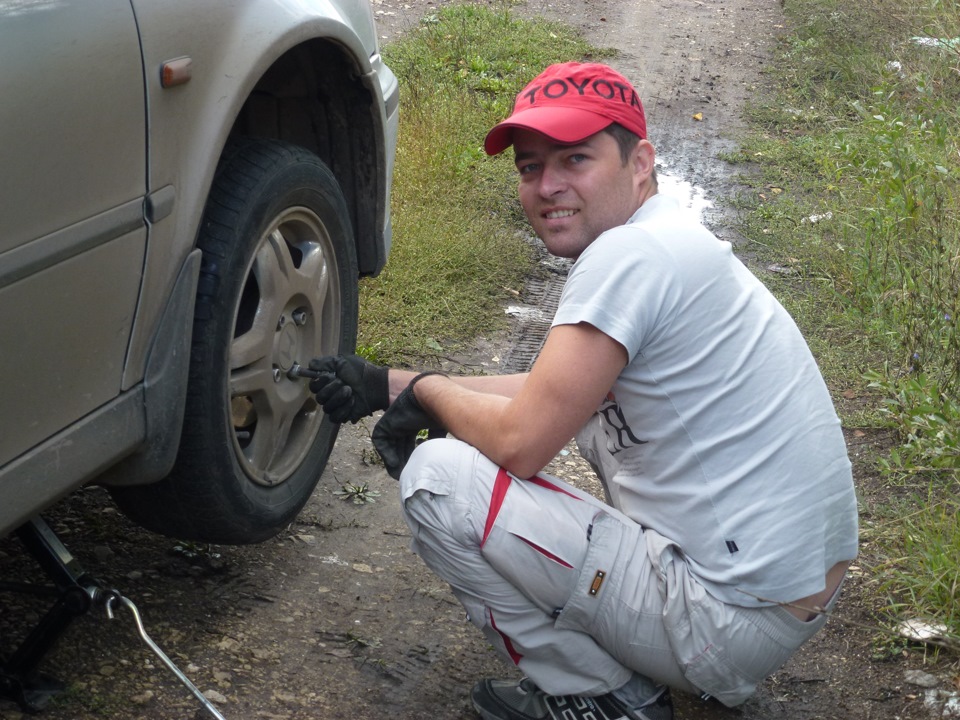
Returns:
point(395, 434)
point(350, 388)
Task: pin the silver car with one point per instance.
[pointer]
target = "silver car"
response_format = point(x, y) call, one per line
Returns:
point(189, 192)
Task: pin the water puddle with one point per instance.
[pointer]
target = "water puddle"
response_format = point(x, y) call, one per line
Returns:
point(691, 197)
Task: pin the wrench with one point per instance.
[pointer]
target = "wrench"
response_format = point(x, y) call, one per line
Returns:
point(297, 371)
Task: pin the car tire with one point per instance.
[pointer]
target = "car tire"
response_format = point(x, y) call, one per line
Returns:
point(278, 286)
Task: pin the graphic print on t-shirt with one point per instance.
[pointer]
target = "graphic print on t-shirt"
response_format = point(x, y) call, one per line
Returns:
point(615, 427)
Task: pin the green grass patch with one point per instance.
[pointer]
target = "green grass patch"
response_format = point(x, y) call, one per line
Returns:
point(925, 580)
point(859, 178)
point(456, 253)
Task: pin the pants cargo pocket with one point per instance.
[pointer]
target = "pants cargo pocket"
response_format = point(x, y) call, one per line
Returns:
point(591, 608)
point(616, 601)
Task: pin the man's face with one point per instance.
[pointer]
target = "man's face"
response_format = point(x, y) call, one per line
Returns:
point(573, 193)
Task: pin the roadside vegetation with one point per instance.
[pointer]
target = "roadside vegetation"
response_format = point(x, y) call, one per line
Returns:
point(856, 206)
point(852, 169)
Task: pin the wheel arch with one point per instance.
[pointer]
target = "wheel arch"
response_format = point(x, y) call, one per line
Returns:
point(317, 96)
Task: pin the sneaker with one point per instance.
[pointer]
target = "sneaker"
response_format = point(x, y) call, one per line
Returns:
point(505, 700)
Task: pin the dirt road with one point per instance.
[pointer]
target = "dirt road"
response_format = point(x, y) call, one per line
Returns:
point(336, 618)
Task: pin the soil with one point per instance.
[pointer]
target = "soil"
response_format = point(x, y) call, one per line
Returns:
point(335, 618)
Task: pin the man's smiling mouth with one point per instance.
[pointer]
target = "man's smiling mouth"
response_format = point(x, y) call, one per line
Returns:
point(554, 214)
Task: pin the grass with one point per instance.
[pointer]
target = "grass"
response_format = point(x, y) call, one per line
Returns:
point(457, 253)
point(855, 189)
point(931, 546)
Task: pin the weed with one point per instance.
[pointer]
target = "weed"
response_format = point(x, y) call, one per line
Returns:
point(887, 647)
point(370, 352)
point(359, 642)
point(357, 494)
point(193, 550)
point(929, 421)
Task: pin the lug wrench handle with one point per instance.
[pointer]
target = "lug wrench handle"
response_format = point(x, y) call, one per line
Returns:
point(299, 371)
point(112, 596)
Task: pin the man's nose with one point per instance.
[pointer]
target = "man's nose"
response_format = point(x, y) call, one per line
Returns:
point(552, 181)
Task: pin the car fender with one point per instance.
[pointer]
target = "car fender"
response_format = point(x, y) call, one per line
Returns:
point(258, 71)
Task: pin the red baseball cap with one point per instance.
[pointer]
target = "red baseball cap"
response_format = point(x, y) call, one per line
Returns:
point(569, 102)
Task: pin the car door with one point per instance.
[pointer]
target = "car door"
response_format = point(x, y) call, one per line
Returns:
point(72, 234)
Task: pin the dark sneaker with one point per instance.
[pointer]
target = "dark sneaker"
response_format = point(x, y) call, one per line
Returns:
point(505, 700)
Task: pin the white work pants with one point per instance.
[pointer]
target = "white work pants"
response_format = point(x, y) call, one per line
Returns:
point(576, 594)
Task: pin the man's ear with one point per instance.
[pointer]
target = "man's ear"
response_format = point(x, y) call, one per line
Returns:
point(643, 158)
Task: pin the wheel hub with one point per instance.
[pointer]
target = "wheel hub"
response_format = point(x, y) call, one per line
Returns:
point(287, 347)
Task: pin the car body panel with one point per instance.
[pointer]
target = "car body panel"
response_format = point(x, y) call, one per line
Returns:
point(71, 195)
point(72, 88)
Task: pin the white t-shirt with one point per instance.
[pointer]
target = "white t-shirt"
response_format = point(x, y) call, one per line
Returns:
point(721, 429)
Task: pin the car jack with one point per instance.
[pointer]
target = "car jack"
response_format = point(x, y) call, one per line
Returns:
point(76, 593)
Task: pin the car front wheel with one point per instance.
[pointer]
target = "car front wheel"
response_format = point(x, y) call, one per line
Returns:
point(278, 286)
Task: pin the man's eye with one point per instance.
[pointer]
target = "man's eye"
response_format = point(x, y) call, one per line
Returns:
point(527, 169)
point(577, 158)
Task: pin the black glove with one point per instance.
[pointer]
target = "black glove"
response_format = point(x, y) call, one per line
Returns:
point(395, 434)
point(349, 387)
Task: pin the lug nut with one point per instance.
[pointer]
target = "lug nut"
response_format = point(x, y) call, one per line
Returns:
point(300, 316)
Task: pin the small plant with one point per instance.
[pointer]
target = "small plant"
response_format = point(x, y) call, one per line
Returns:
point(356, 641)
point(370, 352)
point(928, 422)
point(888, 646)
point(358, 494)
point(192, 550)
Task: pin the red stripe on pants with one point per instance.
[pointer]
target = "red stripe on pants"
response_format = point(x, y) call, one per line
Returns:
point(500, 487)
point(511, 650)
point(544, 551)
point(546, 484)
point(496, 502)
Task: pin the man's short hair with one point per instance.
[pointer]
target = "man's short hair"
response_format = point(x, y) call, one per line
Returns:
point(626, 141)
